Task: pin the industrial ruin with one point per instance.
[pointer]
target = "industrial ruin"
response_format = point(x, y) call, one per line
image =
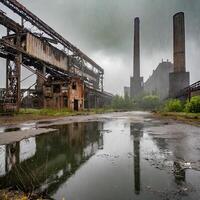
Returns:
point(66, 77)
point(168, 80)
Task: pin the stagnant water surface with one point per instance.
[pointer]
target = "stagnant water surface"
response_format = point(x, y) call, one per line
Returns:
point(121, 158)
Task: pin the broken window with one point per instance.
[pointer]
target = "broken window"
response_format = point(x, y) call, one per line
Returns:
point(74, 85)
point(65, 101)
point(56, 88)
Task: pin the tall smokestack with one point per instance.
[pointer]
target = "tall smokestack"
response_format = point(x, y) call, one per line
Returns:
point(136, 62)
point(136, 82)
point(179, 79)
point(179, 42)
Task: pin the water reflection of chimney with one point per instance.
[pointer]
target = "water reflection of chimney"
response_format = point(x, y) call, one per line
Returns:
point(100, 135)
point(137, 132)
point(100, 141)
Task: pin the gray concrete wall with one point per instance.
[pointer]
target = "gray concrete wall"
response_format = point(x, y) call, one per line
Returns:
point(127, 91)
point(178, 81)
point(158, 82)
point(136, 86)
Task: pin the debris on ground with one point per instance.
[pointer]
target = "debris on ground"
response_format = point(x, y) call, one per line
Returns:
point(7, 194)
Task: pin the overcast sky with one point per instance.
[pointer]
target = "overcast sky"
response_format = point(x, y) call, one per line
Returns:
point(103, 29)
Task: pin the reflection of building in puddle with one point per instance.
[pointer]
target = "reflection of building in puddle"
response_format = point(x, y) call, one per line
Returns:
point(2, 160)
point(137, 132)
point(100, 141)
point(27, 148)
point(13, 154)
point(48, 160)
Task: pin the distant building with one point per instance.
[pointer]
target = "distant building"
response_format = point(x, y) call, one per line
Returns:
point(158, 82)
point(127, 91)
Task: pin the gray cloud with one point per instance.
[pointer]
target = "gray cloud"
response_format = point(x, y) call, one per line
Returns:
point(104, 30)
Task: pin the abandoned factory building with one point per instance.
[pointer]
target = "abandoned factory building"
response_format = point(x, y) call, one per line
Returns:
point(158, 82)
point(70, 93)
point(71, 88)
point(65, 76)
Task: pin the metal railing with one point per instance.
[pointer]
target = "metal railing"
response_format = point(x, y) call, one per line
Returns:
point(187, 91)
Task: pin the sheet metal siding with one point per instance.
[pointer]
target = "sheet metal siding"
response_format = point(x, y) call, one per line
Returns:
point(46, 52)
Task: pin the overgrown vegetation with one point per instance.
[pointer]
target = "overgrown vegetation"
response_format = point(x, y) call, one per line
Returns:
point(173, 105)
point(188, 109)
point(150, 102)
point(144, 102)
point(39, 114)
point(125, 103)
point(193, 106)
point(7, 194)
point(62, 112)
point(45, 112)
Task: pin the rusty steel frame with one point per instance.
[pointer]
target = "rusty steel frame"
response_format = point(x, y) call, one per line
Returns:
point(80, 57)
point(13, 96)
point(8, 50)
point(76, 63)
point(16, 57)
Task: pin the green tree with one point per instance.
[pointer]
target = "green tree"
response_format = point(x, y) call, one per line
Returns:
point(119, 102)
point(150, 102)
point(173, 105)
point(193, 105)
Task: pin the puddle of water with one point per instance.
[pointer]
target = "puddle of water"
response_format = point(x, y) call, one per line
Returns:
point(44, 122)
point(115, 159)
point(11, 129)
point(22, 127)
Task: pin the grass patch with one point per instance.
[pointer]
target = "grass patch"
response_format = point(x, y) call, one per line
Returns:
point(190, 118)
point(40, 114)
point(182, 114)
point(62, 112)
point(45, 112)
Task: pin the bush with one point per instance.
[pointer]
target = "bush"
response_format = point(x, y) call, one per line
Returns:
point(173, 105)
point(193, 105)
point(119, 102)
point(149, 102)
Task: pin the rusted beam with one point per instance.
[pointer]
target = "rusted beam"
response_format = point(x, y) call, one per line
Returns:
point(10, 24)
point(74, 61)
point(35, 72)
point(18, 8)
point(85, 71)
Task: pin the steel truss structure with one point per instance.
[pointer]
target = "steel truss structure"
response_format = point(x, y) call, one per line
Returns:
point(82, 65)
